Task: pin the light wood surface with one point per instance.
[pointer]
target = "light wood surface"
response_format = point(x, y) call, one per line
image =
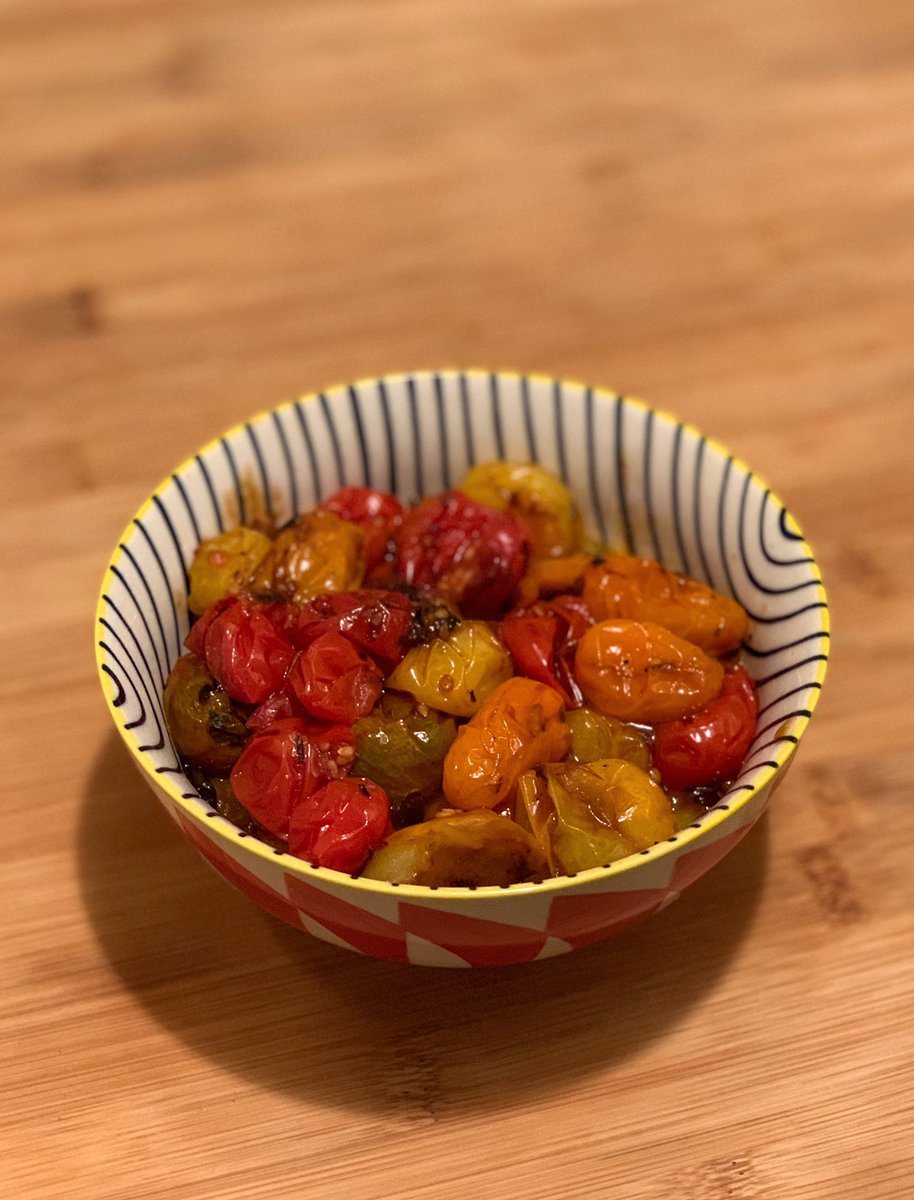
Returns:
point(209, 207)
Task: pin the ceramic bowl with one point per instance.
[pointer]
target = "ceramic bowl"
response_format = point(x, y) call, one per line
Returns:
point(643, 480)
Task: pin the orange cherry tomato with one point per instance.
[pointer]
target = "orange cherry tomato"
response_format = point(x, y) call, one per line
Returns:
point(642, 590)
point(639, 671)
point(319, 553)
point(520, 724)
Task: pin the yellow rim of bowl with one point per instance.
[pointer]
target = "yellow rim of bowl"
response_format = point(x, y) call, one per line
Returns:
point(227, 832)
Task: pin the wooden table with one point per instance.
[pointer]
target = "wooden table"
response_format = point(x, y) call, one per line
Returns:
point(208, 207)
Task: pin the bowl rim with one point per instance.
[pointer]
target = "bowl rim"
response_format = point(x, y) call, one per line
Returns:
point(729, 804)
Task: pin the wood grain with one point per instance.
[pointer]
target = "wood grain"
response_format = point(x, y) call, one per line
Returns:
point(207, 208)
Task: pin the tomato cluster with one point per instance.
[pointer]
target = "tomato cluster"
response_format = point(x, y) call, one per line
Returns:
point(465, 692)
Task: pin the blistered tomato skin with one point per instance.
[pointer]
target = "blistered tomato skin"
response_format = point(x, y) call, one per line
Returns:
point(319, 553)
point(401, 745)
point(196, 635)
point(334, 681)
point(521, 724)
point(467, 849)
point(245, 650)
point(284, 764)
point(710, 746)
point(570, 608)
point(222, 565)
point(466, 553)
point(535, 496)
point(378, 622)
point(339, 825)
point(642, 590)
point(204, 724)
point(377, 514)
point(455, 673)
point(595, 736)
point(590, 815)
point(276, 707)
point(638, 671)
point(537, 647)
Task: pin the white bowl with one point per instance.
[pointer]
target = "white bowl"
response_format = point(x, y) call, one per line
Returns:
point(643, 480)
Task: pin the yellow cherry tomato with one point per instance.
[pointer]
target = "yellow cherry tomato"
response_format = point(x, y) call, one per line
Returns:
point(590, 815)
point(463, 849)
point(223, 564)
point(547, 577)
point(595, 736)
point(535, 496)
point(457, 672)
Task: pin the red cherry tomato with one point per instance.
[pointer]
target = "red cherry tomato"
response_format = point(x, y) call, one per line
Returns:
point(378, 515)
point(709, 746)
point(278, 707)
point(377, 622)
point(334, 681)
point(339, 825)
point(575, 612)
point(538, 648)
point(196, 635)
point(284, 764)
point(464, 552)
point(576, 617)
point(245, 650)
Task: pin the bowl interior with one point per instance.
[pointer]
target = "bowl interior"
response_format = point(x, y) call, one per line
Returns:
point(645, 482)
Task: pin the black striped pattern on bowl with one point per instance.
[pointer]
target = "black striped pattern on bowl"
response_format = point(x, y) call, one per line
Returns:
point(644, 481)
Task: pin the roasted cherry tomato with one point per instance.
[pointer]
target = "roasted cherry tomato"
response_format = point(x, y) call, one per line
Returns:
point(538, 647)
point(642, 590)
point(535, 496)
point(330, 661)
point(223, 564)
point(589, 815)
point(378, 622)
point(709, 746)
point(547, 577)
point(377, 514)
point(334, 681)
point(401, 746)
point(569, 607)
point(205, 726)
point(595, 736)
point(245, 650)
point(319, 553)
point(466, 849)
point(339, 825)
point(638, 671)
point(457, 672)
point(520, 724)
point(196, 635)
point(275, 708)
point(283, 765)
point(466, 553)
